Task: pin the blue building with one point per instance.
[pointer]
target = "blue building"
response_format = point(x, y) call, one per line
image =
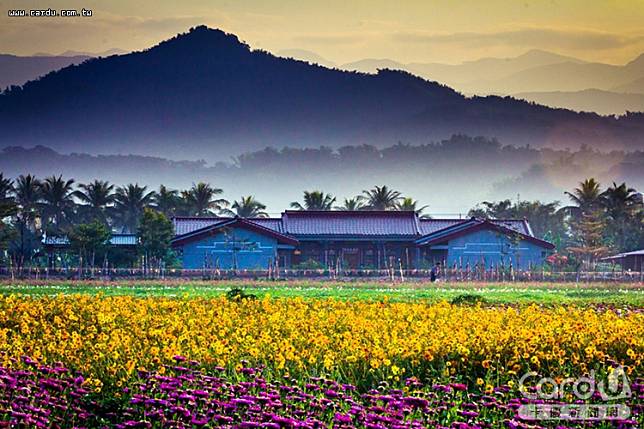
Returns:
point(355, 240)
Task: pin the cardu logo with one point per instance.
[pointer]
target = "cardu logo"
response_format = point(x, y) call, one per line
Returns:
point(600, 397)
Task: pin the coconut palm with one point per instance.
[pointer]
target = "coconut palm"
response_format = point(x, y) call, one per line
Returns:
point(247, 207)
point(315, 200)
point(6, 187)
point(352, 204)
point(201, 201)
point(382, 198)
point(587, 197)
point(129, 203)
point(411, 205)
point(27, 194)
point(167, 201)
point(97, 196)
point(57, 201)
point(624, 215)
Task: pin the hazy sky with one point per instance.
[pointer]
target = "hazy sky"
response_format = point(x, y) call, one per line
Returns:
point(345, 30)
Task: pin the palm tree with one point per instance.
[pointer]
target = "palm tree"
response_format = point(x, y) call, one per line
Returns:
point(587, 197)
point(247, 207)
point(315, 200)
point(382, 198)
point(411, 205)
point(201, 200)
point(6, 187)
point(27, 194)
point(97, 196)
point(352, 204)
point(57, 201)
point(167, 201)
point(621, 205)
point(129, 203)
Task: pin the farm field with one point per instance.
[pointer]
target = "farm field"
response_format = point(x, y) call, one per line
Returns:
point(631, 294)
point(308, 354)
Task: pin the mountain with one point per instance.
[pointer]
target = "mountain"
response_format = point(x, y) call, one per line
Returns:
point(205, 95)
point(475, 76)
point(634, 87)
point(570, 76)
point(106, 53)
point(532, 72)
point(472, 77)
point(372, 65)
point(304, 55)
point(15, 70)
point(589, 100)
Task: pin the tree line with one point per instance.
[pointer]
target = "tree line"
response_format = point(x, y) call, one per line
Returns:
point(595, 222)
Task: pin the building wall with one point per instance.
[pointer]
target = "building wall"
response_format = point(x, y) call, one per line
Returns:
point(492, 248)
point(355, 254)
point(236, 248)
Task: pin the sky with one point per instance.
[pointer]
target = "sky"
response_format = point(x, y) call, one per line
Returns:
point(445, 31)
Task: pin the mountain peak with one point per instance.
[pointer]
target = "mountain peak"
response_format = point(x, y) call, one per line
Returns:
point(540, 54)
point(637, 62)
point(202, 39)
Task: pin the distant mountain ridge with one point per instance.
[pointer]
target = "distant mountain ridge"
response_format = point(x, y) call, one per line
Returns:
point(16, 70)
point(588, 100)
point(204, 94)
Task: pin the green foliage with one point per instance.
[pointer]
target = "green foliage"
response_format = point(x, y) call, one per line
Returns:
point(246, 207)
point(238, 294)
point(382, 198)
point(315, 200)
point(468, 299)
point(309, 264)
point(155, 233)
point(88, 239)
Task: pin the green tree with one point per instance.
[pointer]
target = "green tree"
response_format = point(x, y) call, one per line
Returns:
point(411, 205)
point(27, 196)
point(8, 210)
point(129, 204)
point(587, 197)
point(624, 217)
point(201, 199)
point(57, 202)
point(315, 200)
point(588, 236)
point(6, 187)
point(246, 207)
point(381, 198)
point(155, 233)
point(88, 240)
point(167, 201)
point(96, 196)
point(352, 204)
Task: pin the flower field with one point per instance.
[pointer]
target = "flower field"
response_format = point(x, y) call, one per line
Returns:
point(195, 361)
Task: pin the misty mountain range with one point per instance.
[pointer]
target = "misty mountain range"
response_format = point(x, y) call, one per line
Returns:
point(539, 76)
point(204, 94)
point(450, 175)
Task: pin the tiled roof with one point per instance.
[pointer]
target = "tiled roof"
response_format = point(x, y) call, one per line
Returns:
point(427, 226)
point(116, 240)
point(123, 239)
point(249, 223)
point(342, 223)
point(271, 223)
point(184, 225)
point(474, 224)
point(626, 254)
point(338, 223)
